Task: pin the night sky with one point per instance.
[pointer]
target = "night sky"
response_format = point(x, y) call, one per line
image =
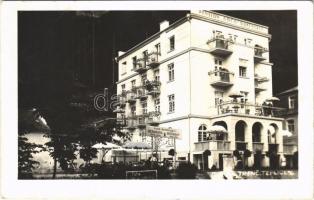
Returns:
point(54, 46)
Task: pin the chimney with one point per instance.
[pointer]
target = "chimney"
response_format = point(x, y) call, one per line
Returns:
point(163, 25)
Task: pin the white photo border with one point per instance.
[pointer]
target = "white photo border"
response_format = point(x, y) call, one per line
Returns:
point(11, 187)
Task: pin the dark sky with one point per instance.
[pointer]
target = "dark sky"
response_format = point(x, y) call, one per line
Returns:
point(54, 46)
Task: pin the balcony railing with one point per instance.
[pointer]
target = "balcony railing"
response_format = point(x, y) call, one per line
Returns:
point(153, 118)
point(221, 78)
point(131, 97)
point(153, 59)
point(260, 79)
point(140, 65)
point(220, 46)
point(258, 54)
point(141, 93)
point(212, 145)
point(289, 148)
point(258, 146)
point(142, 120)
point(153, 87)
point(249, 109)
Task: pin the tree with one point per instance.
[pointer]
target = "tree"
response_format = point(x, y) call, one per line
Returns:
point(29, 120)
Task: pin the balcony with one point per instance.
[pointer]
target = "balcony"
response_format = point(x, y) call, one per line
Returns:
point(141, 94)
point(258, 146)
point(140, 65)
point(121, 101)
point(260, 79)
point(131, 97)
point(142, 120)
point(219, 145)
point(234, 107)
point(121, 121)
point(118, 110)
point(153, 59)
point(220, 47)
point(259, 87)
point(289, 148)
point(258, 54)
point(221, 78)
point(153, 118)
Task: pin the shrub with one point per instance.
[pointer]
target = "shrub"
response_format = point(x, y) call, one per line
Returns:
point(186, 171)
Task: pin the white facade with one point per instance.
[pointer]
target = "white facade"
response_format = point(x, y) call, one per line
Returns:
point(214, 56)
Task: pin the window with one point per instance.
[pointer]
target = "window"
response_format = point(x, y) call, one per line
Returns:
point(247, 41)
point(144, 78)
point(291, 125)
point(292, 101)
point(171, 43)
point(123, 68)
point(144, 107)
point(133, 110)
point(171, 71)
point(133, 83)
point(156, 75)
point(202, 133)
point(218, 98)
point(158, 50)
point(123, 88)
point(171, 103)
point(157, 105)
point(134, 62)
point(218, 65)
point(242, 71)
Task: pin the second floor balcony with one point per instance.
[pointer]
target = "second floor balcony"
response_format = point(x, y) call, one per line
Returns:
point(141, 93)
point(259, 54)
point(131, 97)
point(220, 46)
point(219, 145)
point(221, 78)
point(153, 118)
point(249, 109)
point(140, 65)
point(153, 59)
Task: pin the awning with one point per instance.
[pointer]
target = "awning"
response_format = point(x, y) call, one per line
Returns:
point(217, 129)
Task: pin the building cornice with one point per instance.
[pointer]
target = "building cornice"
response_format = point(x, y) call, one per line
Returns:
point(195, 16)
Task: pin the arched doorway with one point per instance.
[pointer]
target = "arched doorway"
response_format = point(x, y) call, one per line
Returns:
point(272, 133)
point(221, 136)
point(257, 144)
point(240, 132)
point(257, 132)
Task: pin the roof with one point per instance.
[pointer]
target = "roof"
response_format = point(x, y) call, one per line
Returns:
point(175, 24)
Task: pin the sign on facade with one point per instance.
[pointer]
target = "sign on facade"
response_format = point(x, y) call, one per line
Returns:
point(154, 131)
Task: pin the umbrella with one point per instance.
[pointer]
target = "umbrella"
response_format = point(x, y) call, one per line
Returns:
point(137, 145)
point(273, 99)
point(217, 129)
point(108, 145)
point(286, 133)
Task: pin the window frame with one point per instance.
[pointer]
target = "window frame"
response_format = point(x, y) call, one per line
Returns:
point(241, 74)
point(172, 43)
point(170, 72)
point(171, 103)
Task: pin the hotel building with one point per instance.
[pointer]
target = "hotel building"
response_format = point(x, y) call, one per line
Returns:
point(204, 71)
